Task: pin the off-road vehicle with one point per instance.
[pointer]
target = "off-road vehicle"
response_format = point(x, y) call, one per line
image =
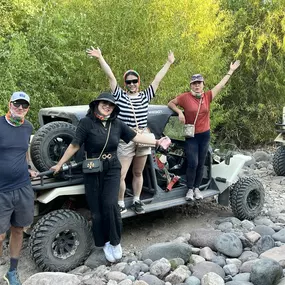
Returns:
point(279, 155)
point(61, 239)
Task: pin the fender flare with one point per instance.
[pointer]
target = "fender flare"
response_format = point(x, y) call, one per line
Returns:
point(50, 195)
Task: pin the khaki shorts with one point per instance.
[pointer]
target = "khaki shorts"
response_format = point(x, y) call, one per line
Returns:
point(131, 149)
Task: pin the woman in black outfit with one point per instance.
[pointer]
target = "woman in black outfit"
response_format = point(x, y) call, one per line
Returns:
point(102, 188)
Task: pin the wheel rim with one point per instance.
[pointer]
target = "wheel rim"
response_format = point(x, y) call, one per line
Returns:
point(253, 199)
point(58, 146)
point(65, 244)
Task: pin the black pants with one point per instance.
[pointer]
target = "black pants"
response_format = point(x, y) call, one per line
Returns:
point(102, 191)
point(196, 149)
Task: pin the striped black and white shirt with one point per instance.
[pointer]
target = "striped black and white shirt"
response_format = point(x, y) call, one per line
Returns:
point(140, 103)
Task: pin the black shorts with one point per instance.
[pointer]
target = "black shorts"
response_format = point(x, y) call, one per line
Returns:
point(16, 208)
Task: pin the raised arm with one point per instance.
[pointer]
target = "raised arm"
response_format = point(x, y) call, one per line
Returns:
point(173, 106)
point(96, 52)
point(163, 71)
point(226, 78)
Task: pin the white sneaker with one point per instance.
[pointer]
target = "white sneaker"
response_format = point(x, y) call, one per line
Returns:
point(190, 195)
point(108, 250)
point(198, 194)
point(117, 251)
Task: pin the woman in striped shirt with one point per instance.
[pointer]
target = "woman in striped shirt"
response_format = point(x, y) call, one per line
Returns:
point(133, 104)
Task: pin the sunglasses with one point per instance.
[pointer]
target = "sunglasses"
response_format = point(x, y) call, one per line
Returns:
point(24, 105)
point(134, 81)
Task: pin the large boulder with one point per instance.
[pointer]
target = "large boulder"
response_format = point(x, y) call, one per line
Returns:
point(265, 243)
point(229, 244)
point(168, 250)
point(204, 237)
point(246, 267)
point(205, 267)
point(280, 236)
point(276, 253)
point(51, 278)
point(96, 258)
point(151, 279)
point(264, 230)
point(212, 278)
point(266, 272)
point(160, 267)
point(179, 275)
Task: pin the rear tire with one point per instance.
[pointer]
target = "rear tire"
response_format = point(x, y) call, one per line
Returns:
point(247, 198)
point(60, 241)
point(279, 161)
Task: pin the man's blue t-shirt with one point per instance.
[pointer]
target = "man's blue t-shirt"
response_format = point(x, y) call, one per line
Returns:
point(14, 143)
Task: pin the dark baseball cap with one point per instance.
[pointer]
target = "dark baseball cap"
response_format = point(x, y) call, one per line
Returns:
point(197, 77)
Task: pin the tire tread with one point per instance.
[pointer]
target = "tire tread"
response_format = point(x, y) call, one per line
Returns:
point(40, 234)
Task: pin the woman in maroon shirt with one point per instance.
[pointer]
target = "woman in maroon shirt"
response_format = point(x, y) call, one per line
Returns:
point(196, 147)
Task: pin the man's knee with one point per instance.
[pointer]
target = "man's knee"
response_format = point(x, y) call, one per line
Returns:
point(16, 230)
point(2, 237)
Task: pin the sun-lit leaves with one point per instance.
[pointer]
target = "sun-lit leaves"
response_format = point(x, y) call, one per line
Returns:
point(43, 43)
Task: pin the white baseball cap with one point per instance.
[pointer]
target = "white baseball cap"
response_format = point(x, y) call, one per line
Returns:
point(20, 95)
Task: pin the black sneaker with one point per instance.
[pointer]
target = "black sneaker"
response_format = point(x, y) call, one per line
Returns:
point(123, 209)
point(137, 207)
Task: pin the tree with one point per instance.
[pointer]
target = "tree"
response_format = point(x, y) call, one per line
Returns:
point(247, 113)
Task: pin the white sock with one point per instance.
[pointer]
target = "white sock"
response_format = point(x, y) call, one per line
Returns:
point(121, 203)
point(136, 198)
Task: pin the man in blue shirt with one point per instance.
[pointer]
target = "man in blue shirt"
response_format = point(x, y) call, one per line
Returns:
point(16, 193)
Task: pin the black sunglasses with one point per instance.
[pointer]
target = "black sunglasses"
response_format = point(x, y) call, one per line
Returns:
point(134, 81)
point(24, 105)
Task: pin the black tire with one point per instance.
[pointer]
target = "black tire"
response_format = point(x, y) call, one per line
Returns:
point(279, 161)
point(247, 198)
point(49, 144)
point(60, 241)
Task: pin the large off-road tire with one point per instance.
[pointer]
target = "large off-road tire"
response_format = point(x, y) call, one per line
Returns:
point(49, 144)
point(60, 241)
point(279, 161)
point(247, 198)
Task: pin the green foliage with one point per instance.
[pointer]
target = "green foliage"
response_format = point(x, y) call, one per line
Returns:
point(247, 112)
point(43, 43)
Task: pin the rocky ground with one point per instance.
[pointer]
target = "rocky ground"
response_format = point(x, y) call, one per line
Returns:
point(183, 224)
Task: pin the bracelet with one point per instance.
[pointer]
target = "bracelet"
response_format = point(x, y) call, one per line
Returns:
point(229, 74)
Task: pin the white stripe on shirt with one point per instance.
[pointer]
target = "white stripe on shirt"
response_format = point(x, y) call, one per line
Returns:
point(140, 104)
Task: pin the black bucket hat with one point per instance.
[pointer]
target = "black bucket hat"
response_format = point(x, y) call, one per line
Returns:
point(105, 96)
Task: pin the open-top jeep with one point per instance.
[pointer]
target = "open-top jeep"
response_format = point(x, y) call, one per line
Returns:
point(61, 238)
point(279, 155)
